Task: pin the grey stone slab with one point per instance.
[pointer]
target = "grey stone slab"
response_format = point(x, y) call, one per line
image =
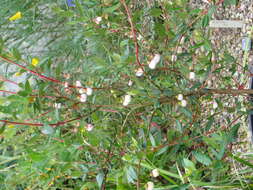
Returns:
point(226, 24)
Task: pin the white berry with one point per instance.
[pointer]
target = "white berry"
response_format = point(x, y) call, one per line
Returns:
point(183, 103)
point(180, 97)
point(127, 100)
point(154, 61)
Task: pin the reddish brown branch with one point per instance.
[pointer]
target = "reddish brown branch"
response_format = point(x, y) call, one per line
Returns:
point(41, 115)
point(9, 92)
point(42, 76)
point(133, 32)
point(31, 71)
point(40, 124)
point(53, 124)
point(6, 80)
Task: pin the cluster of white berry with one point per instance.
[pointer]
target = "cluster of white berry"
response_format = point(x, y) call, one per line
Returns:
point(152, 65)
point(84, 92)
point(57, 105)
point(150, 185)
point(180, 97)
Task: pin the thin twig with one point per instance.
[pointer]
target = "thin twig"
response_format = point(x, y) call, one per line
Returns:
point(133, 33)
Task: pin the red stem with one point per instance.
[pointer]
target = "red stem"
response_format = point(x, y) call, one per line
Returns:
point(39, 124)
point(6, 80)
point(6, 91)
point(31, 71)
point(134, 33)
point(41, 115)
point(40, 75)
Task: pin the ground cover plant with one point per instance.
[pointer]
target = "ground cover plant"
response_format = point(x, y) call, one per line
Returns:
point(116, 94)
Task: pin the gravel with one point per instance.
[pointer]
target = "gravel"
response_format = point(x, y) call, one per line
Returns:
point(230, 39)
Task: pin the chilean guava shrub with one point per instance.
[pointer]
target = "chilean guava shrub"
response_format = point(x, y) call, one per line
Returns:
point(116, 95)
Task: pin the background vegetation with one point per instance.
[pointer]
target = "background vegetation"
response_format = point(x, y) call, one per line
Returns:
point(94, 113)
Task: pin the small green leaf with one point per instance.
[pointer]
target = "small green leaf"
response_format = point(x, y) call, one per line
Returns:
point(16, 53)
point(230, 2)
point(233, 133)
point(112, 8)
point(152, 140)
point(155, 12)
point(202, 158)
point(2, 128)
point(28, 88)
point(205, 21)
point(131, 174)
point(189, 164)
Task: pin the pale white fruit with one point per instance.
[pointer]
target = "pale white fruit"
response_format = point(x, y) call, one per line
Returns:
point(182, 40)
point(213, 59)
point(173, 58)
point(83, 98)
point(78, 83)
point(183, 103)
point(180, 97)
point(81, 91)
point(57, 105)
point(139, 72)
point(89, 127)
point(139, 37)
point(127, 100)
point(215, 105)
point(179, 50)
point(154, 61)
point(155, 172)
point(192, 76)
point(98, 19)
point(150, 185)
point(130, 83)
point(89, 91)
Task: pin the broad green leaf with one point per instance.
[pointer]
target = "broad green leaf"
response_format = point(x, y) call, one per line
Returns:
point(202, 158)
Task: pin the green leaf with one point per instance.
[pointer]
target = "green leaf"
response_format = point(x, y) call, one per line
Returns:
point(155, 12)
point(241, 160)
point(179, 126)
point(189, 164)
point(16, 53)
point(152, 140)
point(230, 2)
point(205, 21)
point(2, 128)
point(131, 174)
point(202, 158)
point(232, 136)
point(209, 123)
point(28, 88)
point(186, 112)
point(112, 8)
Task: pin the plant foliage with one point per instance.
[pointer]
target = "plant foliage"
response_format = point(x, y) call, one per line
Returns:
point(123, 126)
